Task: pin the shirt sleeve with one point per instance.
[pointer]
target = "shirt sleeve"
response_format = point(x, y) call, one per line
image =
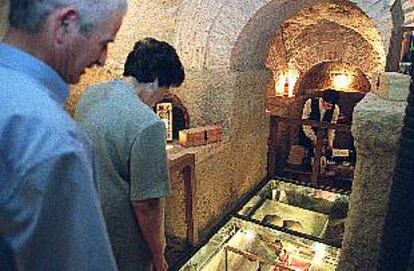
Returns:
point(331, 132)
point(148, 164)
point(307, 129)
point(54, 217)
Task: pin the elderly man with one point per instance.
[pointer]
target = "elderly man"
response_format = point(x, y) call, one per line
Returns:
point(129, 137)
point(50, 217)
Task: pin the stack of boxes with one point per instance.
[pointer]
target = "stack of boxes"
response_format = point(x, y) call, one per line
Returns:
point(199, 136)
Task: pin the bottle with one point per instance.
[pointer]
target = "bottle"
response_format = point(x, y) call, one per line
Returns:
point(323, 161)
point(323, 164)
point(286, 86)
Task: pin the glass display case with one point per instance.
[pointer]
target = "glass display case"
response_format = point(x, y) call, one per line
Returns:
point(243, 245)
point(300, 208)
point(282, 226)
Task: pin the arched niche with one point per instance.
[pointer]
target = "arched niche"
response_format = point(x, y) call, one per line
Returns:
point(181, 119)
point(322, 76)
point(219, 35)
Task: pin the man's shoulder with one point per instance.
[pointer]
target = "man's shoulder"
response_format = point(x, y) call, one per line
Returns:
point(17, 86)
point(109, 98)
point(110, 91)
point(30, 135)
point(113, 103)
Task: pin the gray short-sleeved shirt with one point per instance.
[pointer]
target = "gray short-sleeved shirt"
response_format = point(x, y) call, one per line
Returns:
point(129, 140)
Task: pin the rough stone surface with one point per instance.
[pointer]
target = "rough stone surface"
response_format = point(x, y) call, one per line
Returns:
point(175, 224)
point(376, 128)
point(327, 33)
point(393, 86)
point(144, 18)
point(319, 77)
point(236, 34)
point(4, 5)
point(408, 7)
point(224, 45)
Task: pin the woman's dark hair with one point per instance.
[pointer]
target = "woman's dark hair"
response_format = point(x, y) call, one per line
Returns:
point(151, 60)
point(331, 96)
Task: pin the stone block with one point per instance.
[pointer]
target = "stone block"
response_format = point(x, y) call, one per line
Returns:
point(193, 137)
point(393, 86)
point(200, 136)
point(376, 127)
point(213, 134)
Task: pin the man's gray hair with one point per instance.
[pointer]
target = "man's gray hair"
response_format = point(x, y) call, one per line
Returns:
point(29, 15)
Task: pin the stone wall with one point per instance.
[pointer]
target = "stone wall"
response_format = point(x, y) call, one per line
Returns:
point(144, 18)
point(408, 7)
point(319, 78)
point(216, 32)
point(227, 171)
point(327, 33)
point(377, 124)
point(223, 45)
point(3, 16)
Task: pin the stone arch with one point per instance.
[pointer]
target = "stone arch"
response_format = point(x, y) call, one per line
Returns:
point(224, 44)
point(227, 34)
point(298, 51)
point(317, 77)
point(330, 17)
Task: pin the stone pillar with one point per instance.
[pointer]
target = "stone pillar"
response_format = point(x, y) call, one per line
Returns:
point(376, 127)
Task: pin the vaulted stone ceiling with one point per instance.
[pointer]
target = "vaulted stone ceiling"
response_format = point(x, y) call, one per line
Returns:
point(218, 34)
point(336, 31)
point(318, 77)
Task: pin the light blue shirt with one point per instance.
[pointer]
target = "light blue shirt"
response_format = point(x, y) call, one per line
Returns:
point(50, 217)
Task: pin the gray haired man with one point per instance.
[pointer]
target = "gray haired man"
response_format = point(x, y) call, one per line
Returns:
point(50, 217)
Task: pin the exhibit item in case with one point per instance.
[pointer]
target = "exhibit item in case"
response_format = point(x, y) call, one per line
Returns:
point(243, 245)
point(304, 209)
point(284, 225)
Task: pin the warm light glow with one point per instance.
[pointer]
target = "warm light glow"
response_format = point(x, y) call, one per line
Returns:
point(285, 83)
point(342, 81)
point(250, 235)
point(280, 85)
point(292, 78)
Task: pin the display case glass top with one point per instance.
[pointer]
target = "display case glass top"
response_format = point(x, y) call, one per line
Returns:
point(243, 245)
point(299, 208)
point(283, 226)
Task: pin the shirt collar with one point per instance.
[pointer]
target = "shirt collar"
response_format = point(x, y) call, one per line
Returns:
point(321, 108)
point(21, 61)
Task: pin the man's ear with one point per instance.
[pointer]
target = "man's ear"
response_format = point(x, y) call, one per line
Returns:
point(65, 21)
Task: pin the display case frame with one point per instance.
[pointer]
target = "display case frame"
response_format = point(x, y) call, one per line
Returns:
point(236, 208)
point(245, 239)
